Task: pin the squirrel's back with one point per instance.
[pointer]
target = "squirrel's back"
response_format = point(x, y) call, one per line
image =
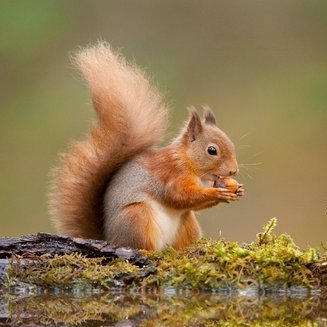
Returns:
point(131, 117)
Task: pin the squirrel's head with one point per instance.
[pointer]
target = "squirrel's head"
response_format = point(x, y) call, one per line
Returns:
point(208, 148)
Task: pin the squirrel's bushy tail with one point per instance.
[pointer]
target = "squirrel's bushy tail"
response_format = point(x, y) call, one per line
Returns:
point(131, 117)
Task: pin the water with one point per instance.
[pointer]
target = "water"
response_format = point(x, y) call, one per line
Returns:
point(82, 307)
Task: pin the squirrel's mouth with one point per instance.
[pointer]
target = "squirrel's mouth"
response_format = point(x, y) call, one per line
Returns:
point(212, 178)
point(216, 176)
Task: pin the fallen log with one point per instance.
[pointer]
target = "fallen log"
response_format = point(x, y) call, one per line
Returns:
point(21, 257)
point(50, 279)
point(271, 263)
point(45, 243)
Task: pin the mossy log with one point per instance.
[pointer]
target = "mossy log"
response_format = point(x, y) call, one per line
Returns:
point(272, 262)
point(45, 243)
point(270, 280)
point(17, 255)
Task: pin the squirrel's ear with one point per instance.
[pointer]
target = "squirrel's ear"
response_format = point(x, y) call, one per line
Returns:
point(194, 125)
point(208, 116)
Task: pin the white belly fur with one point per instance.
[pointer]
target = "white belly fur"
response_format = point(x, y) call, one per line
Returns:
point(167, 221)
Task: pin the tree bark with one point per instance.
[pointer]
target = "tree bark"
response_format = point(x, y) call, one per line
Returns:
point(44, 243)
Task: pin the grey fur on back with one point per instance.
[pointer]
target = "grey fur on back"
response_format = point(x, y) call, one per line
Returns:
point(128, 186)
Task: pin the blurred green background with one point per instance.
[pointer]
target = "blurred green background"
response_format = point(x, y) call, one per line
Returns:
point(261, 65)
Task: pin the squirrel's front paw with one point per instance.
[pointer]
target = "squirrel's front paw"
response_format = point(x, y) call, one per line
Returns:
point(240, 190)
point(226, 195)
point(229, 189)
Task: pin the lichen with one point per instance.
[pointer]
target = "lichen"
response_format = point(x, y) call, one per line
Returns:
point(272, 261)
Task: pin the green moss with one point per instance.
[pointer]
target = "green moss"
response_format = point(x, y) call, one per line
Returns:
point(211, 264)
point(73, 270)
point(271, 261)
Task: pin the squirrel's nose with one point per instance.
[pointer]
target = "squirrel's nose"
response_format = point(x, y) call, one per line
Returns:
point(234, 171)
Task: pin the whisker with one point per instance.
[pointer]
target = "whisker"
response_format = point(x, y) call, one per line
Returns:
point(255, 168)
point(241, 173)
point(250, 164)
point(240, 146)
point(247, 168)
point(243, 137)
point(247, 174)
point(256, 154)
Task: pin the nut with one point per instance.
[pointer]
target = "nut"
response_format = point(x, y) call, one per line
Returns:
point(227, 182)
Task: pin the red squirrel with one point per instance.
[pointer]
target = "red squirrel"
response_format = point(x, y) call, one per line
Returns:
point(117, 185)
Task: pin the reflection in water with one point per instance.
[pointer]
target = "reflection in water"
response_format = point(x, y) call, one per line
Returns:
point(164, 309)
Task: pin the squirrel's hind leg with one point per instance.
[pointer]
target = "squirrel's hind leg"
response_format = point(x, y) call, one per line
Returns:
point(188, 232)
point(135, 228)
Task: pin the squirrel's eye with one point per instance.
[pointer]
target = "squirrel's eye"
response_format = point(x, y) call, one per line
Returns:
point(212, 150)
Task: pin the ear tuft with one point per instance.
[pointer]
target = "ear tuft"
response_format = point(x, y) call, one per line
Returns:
point(209, 117)
point(194, 125)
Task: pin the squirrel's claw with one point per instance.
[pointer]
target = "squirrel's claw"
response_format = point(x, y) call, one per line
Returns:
point(240, 191)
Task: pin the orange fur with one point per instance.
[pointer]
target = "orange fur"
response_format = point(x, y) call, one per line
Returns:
point(138, 221)
point(188, 232)
point(90, 187)
point(179, 180)
point(131, 118)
